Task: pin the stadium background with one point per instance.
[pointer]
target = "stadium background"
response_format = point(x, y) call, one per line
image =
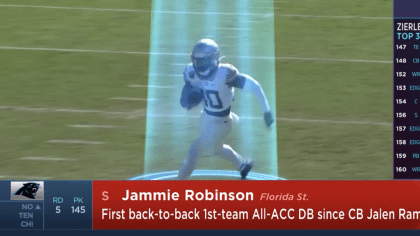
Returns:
point(76, 82)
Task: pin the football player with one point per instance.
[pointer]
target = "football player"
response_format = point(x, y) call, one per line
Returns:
point(214, 82)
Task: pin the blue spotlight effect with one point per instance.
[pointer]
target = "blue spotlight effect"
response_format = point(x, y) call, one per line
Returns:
point(168, 175)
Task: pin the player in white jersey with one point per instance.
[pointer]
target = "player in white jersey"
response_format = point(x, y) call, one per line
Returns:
point(209, 80)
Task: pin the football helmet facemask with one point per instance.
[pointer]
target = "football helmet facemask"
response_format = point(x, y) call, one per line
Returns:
point(205, 58)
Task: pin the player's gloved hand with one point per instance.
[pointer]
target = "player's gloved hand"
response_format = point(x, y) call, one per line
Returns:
point(184, 103)
point(268, 118)
point(190, 97)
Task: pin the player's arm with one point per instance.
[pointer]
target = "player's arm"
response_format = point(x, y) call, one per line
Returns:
point(248, 84)
point(190, 95)
point(184, 95)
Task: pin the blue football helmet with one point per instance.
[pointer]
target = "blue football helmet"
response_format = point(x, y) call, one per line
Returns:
point(205, 58)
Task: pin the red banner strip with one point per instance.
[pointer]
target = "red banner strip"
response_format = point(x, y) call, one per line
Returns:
point(256, 204)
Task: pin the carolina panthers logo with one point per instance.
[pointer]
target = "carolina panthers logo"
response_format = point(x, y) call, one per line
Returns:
point(28, 190)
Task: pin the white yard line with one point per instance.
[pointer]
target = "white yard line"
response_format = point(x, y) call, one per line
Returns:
point(289, 119)
point(196, 13)
point(74, 8)
point(75, 142)
point(150, 86)
point(185, 65)
point(336, 17)
point(133, 99)
point(187, 54)
point(24, 177)
point(74, 50)
point(133, 10)
point(46, 159)
point(174, 75)
point(239, 29)
point(323, 121)
point(65, 110)
point(95, 126)
point(276, 8)
point(316, 59)
point(135, 114)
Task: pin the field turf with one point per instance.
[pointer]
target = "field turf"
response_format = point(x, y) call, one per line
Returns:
point(334, 116)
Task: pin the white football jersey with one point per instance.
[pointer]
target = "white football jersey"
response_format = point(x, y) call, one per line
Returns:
point(218, 96)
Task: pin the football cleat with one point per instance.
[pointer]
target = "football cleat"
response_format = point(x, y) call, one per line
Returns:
point(246, 168)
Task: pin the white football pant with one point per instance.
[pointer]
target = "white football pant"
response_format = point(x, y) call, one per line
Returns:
point(213, 131)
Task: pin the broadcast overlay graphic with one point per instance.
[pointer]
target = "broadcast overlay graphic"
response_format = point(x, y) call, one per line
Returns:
point(319, 159)
point(27, 190)
point(215, 205)
point(406, 91)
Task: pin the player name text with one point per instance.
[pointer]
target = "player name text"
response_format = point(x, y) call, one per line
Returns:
point(390, 215)
point(189, 195)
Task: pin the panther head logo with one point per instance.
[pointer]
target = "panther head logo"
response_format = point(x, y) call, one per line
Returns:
point(28, 190)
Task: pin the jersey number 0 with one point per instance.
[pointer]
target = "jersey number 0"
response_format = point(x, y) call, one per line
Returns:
point(212, 99)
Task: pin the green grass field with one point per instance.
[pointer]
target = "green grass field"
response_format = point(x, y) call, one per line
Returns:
point(334, 116)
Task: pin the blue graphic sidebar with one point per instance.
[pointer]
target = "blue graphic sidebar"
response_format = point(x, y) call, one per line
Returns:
point(57, 205)
point(23, 213)
point(406, 89)
point(406, 8)
point(68, 204)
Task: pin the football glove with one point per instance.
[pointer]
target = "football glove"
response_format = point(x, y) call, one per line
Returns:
point(190, 97)
point(268, 118)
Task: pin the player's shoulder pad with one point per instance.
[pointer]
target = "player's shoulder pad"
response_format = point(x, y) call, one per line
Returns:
point(231, 71)
point(189, 72)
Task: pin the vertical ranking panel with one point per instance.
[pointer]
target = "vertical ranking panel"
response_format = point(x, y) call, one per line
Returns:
point(406, 99)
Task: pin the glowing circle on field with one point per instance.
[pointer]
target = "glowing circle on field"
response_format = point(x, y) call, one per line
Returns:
point(171, 175)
